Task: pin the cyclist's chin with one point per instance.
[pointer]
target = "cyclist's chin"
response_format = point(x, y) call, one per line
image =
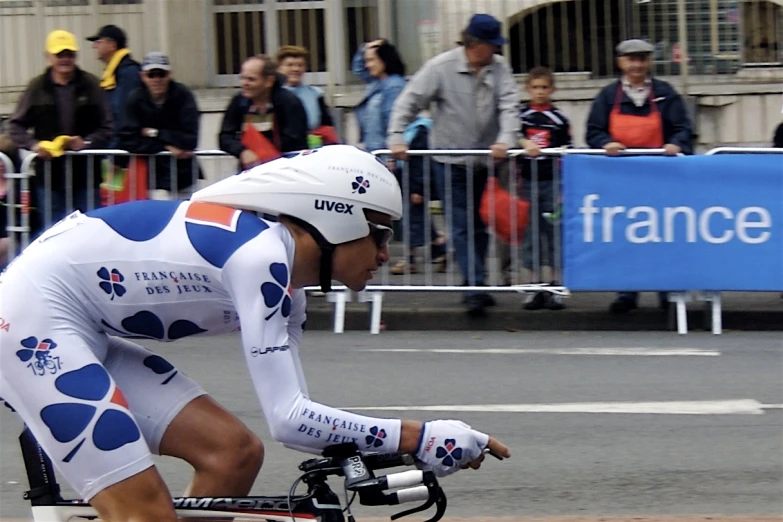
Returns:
point(355, 284)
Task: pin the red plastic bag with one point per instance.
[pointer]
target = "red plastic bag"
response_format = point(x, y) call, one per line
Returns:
point(327, 134)
point(502, 202)
point(117, 186)
point(259, 144)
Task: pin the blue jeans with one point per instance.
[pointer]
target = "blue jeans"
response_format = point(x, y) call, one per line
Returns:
point(61, 207)
point(462, 216)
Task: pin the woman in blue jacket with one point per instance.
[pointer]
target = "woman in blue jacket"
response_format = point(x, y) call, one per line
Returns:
point(379, 64)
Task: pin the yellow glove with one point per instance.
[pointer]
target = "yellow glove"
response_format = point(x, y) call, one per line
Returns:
point(56, 147)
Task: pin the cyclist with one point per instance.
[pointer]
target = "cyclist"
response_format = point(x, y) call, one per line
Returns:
point(170, 269)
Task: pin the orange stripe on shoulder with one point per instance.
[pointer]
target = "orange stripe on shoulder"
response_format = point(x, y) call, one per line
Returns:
point(211, 213)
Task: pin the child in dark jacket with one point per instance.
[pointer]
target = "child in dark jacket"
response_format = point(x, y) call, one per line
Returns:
point(413, 177)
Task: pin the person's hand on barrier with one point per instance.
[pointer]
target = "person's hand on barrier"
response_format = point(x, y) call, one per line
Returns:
point(613, 148)
point(499, 150)
point(670, 149)
point(248, 158)
point(531, 148)
point(43, 154)
point(76, 143)
point(179, 153)
point(416, 199)
point(399, 152)
point(446, 446)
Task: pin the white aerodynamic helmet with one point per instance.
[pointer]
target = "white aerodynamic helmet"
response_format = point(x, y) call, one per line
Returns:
point(328, 188)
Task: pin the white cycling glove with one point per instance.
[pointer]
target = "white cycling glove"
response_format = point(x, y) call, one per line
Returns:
point(446, 445)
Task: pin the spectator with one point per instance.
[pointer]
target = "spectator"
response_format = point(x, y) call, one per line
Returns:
point(264, 119)
point(163, 116)
point(292, 63)
point(121, 75)
point(638, 111)
point(542, 126)
point(416, 208)
point(777, 139)
point(476, 100)
point(380, 66)
point(67, 111)
point(7, 148)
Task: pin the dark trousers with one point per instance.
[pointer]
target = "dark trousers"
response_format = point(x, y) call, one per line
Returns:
point(468, 233)
point(59, 205)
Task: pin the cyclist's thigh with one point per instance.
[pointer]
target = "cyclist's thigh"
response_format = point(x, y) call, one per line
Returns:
point(155, 390)
point(50, 374)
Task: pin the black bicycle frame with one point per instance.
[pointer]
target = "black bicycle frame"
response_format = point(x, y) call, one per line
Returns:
point(320, 501)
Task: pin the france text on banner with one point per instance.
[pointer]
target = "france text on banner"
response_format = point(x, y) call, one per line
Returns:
point(707, 223)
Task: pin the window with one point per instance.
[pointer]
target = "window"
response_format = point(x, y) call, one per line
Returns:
point(238, 35)
point(577, 36)
point(306, 28)
point(11, 4)
point(763, 33)
point(362, 22)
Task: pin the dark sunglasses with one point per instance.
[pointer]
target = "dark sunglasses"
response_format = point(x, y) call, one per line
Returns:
point(157, 73)
point(66, 54)
point(381, 234)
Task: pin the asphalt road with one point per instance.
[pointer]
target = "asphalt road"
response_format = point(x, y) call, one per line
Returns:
point(598, 423)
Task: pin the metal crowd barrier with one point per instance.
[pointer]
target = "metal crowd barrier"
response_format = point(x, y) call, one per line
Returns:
point(713, 307)
point(436, 211)
point(531, 260)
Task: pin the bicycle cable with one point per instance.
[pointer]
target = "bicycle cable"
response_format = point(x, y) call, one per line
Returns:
point(348, 503)
point(292, 490)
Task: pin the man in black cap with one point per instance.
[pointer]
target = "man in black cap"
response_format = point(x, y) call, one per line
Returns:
point(638, 111)
point(121, 75)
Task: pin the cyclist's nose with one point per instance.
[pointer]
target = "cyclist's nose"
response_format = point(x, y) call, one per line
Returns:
point(383, 255)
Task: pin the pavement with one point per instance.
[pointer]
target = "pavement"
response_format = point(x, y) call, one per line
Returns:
point(600, 424)
point(404, 310)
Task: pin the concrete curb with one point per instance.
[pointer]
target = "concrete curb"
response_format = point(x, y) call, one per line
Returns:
point(358, 318)
point(585, 312)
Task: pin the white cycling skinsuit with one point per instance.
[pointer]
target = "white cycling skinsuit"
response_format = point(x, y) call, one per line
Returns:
point(159, 270)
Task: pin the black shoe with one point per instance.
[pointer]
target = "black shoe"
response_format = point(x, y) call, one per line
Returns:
point(474, 305)
point(487, 299)
point(554, 302)
point(535, 301)
point(622, 305)
point(663, 301)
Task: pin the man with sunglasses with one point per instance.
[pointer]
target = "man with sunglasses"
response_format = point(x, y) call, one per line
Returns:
point(163, 116)
point(170, 269)
point(63, 101)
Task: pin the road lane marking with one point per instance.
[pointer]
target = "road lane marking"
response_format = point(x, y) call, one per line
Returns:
point(640, 352)
point(723, 407)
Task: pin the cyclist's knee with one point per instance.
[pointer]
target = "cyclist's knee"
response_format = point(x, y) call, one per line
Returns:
point(240, 452)
point(141, 498)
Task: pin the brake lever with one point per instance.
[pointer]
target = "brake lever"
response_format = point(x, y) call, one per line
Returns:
point(437, 496)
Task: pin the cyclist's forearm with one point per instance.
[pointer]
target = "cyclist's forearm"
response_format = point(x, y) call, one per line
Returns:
point(410, 432)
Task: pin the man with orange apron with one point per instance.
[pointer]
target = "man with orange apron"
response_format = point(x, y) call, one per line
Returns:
point(638, 111)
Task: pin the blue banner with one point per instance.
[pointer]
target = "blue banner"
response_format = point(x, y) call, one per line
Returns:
point(673, 223)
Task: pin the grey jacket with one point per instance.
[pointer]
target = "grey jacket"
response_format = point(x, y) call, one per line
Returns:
point(470, 111)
